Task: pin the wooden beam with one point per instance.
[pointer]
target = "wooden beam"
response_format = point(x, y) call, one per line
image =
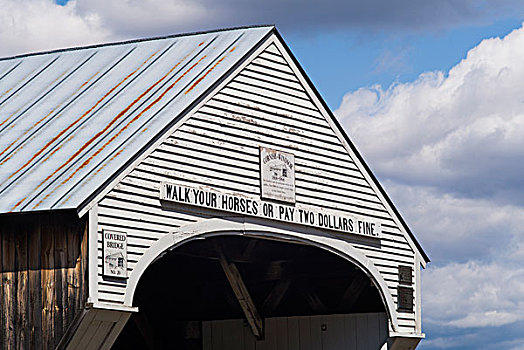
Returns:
point(242, 294)
point(250, 249)
point(274, 271)
point(275, 296)
point(306, 290)
point(353, 291)
point(316, 305)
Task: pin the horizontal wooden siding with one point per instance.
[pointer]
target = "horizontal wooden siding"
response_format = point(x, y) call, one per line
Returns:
point(218, 146)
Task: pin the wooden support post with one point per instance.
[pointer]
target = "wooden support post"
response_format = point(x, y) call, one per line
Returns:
point(239, 288)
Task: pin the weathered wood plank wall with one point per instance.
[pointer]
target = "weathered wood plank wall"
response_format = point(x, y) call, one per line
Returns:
point(43, 274)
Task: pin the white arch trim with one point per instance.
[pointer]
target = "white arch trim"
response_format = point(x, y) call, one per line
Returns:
point(221, 227)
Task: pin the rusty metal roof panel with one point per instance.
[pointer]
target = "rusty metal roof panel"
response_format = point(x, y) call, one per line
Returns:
point(70, 119)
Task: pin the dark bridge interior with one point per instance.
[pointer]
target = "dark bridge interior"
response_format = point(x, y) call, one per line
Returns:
point(189, 285)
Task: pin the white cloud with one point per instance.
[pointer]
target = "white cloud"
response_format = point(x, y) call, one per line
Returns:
point(449, 148)
point(302, 15)
point(477, 246)
point(478, 339)
point(474, 294)
point(461, 131)
point(487, 318)
point(30, 25)
point(37, 25)
point(457, 228)
point(139, 18)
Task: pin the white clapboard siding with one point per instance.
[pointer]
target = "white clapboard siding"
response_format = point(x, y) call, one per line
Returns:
point(306, 156)
point(241, 88)
point(218, 146)
point(243, 172)
point(284, 69)
point(327, 200)
point(246, 130)
point(276, 62)
point(271, 86)
point(249, 178)
point(394, 231)
point(330, 332)
point(314, 165)
point(322, 166)
point(266, 71)
point(266, 104)
point(271, 56)
point(288, 125)
point(238, 105)
point(311, 172)
point(274, 81)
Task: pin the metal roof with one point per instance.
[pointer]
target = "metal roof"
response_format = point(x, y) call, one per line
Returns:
point(70, 119)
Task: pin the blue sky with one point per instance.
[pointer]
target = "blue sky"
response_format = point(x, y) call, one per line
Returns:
point(429, 91)
point(342, 61)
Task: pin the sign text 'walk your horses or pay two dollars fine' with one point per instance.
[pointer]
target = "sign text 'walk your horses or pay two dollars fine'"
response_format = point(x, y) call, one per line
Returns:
point(298, 214)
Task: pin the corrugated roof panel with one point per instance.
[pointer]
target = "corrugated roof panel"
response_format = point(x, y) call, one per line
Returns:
point(70, 119)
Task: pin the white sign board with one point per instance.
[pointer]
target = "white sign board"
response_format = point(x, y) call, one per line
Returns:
point(277, 175)
point(115, 253)
point(298, 214)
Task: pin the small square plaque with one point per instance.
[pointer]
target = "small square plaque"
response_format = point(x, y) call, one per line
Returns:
point(405, 275)
point(115, 253)
point(405, 299)
point(277, 175)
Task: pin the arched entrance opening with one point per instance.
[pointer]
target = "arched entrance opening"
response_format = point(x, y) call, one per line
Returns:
point(186, 296)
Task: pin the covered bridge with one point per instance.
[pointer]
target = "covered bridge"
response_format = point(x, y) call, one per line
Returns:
point(192, 192)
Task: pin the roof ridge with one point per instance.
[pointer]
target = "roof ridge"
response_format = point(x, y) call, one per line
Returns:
point(130, 41)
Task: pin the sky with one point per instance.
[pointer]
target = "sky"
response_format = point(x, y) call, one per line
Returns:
point(431, 93)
